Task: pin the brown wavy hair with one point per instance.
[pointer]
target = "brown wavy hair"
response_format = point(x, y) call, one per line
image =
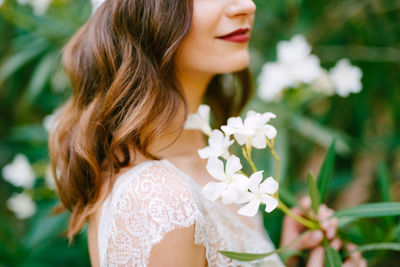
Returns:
point(121, 64)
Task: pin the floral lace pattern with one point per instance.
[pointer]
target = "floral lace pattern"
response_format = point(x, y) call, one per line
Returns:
point(154, 198)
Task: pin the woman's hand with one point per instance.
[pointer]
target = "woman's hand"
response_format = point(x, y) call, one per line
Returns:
point(312, 239)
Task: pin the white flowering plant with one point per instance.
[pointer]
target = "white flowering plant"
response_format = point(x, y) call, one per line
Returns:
point(234, 185)
point(21, 174)
point(297, 69)
point(298, 88)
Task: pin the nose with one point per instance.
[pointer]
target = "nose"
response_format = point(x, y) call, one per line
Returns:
point(241, 7)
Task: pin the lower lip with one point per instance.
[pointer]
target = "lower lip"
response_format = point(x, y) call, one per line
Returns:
point(238, 38)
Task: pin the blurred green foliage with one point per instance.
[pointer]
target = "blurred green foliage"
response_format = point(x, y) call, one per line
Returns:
point(366, 125)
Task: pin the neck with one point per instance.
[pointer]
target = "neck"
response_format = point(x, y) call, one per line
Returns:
point(194, 86)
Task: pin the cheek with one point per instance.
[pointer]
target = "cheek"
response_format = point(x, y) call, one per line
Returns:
point(201, 51)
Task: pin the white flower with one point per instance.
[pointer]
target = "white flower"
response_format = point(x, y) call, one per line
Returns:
point(59, 81)
point(295, 65)
point(96, 4)
point(39, 6)
point(49, 178)
point(22, 205)
point(346, 78)
point(299, 63)
point(218, 146)
point(272, 80)
point(200, 120)
point(254, 129)
point(323, 84)
point(259, 193)
point(232, 183)
point(19, 172)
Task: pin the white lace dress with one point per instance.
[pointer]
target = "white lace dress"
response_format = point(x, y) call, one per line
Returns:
point(154, 198)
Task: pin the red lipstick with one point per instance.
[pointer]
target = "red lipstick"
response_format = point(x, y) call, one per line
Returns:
point(240, 36)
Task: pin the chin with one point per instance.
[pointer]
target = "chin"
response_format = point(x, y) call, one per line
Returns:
point(235, 65)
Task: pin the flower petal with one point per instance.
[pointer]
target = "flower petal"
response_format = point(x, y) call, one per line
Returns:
point(216, 168)
point(250, 113)
point(250, 209)
point(206, 129)
point(206, 152)
point(233, 124)
point(241, 181)
point(199, 120)
point(270, 131)
point(232, 165)
point(216, 138)
point(267, 116)
point(270, 203)
point(193, 121)
point(204, 112)
point(259, 141)
point(255, 180)
point(212, 191)
point(269, 186)
point(244, 196)
point(241, 139)
point(230, 195)
point(252, 119)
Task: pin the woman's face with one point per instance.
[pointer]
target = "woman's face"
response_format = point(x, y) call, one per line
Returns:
point(202, 51)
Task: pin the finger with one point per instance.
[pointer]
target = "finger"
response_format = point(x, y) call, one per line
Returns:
point(350, 246)
point(305, 203)
point(336, 244)
point(330, 226)
point(290, 229)
point(291, 224)
point(356, 256)
point(324, 212)
point(355, 259)
point(309, 240)
point(316, 257)
point(355, 262)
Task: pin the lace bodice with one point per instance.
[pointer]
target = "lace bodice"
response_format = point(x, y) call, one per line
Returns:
point(154, 198)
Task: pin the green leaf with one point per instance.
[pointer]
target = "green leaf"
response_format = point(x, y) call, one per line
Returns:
point(384, 182)
point(376, 246)
point(45, 227)
point(18, 60)
point(332, 257)
point(370, 210)
point(325, 174)
point(245, 256)
point(314, 193)
point(28, 133)
point(287, 254)
point(319, 133)
point(41, 75)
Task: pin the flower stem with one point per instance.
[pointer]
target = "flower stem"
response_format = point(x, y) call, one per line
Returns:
point(247, 155)
point(271, 146)
point(307, 223)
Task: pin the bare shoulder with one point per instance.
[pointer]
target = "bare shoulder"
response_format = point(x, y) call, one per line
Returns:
point(177, 248)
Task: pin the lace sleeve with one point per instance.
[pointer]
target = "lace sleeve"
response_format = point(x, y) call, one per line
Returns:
point(155, 202)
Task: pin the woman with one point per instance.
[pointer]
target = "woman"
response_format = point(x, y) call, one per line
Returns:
point(121, 157)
